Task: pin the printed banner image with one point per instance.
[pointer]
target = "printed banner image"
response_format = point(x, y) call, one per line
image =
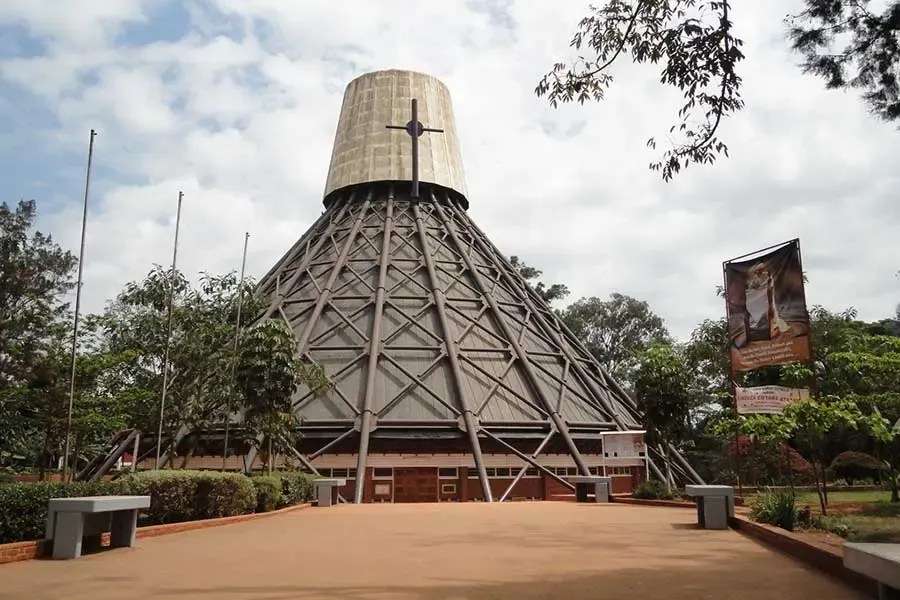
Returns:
point(766, 305)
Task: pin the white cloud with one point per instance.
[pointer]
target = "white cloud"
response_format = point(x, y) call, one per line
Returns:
point(240, 114)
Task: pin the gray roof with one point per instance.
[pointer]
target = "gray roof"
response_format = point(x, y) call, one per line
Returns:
point(326, 289)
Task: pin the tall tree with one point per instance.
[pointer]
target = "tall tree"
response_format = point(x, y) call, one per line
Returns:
point(616, 331)
point(554, 291)
point(35, 274)
point(133, 330)
point(267, 375)
point(662, 387)
point(847, 42)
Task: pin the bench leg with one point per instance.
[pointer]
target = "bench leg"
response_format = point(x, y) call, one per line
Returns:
point(886, 592)
point(581, 492)
point(324, 495)
point(67, 535)
point(122, 530)
point(601, 492)
point(715, 512)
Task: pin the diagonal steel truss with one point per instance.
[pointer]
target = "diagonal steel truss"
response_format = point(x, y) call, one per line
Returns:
point(420, 322)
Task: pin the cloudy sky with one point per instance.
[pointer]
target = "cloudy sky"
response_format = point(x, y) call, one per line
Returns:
point(235, 102)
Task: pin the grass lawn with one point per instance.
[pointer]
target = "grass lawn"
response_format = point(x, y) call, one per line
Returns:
point(844, 497)
point(874, 522)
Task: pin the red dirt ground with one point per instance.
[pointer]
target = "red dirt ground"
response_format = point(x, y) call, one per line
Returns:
point(511, 550)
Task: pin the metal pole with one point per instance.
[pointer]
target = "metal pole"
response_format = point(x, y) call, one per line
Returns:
point(165, 386)
point(134, 454)
point(375, 347)
point(237, 335)
point(87, 187)
point(415, 147)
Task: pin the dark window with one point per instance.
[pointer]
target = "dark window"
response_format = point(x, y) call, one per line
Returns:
point(324, 472)
point(531, 472)
point(448, 472)
point(491, 472)
point(339, 472)
point(503, 472)
point(383, 472)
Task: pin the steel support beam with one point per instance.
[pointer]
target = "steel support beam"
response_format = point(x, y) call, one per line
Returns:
point(528, 459)
point(324, 296)
point(285, 289)
point(520, 352)
point(367, 418)
point(451, 349)
point(523, 470)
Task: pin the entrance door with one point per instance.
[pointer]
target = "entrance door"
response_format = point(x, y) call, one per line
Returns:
point(415, 484)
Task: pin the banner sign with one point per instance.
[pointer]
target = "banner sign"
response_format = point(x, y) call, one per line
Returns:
point(768, 399)
point(766, 306)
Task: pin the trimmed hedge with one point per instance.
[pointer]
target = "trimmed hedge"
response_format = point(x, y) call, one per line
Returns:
point(174, 496)
point(190, 495)
point(296, 487)
point(652, 490)
point(23, 506)
point(268, 492)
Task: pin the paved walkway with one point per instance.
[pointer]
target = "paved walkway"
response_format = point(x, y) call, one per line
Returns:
point(427, 551)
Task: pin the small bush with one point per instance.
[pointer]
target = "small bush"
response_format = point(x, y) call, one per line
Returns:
point(296, 487)
point(652, 490)
point(7, 477)
point(23, 506)
point(268, 492)
point(775, 506)
point(834, 524)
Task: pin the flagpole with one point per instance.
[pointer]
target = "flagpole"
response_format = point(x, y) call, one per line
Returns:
point(237, 334)
point(87, 187)
point(165, 386)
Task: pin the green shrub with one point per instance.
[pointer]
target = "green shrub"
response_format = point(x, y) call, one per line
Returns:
point(7, 477)
point(189, 495)
point(296, 487)
point(23, 506)
point(268, 492)
point(775, 506)
point(652, 490)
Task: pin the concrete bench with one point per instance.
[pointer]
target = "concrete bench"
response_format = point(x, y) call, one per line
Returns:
point(70, 520)
point(881, 562)
point(585, 485)
point(715, 503)
point(327, 491)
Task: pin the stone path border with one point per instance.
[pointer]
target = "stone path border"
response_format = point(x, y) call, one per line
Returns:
point(17, 551)
point(820, 556)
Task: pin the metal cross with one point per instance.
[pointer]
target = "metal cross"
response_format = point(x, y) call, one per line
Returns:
point(415, 129)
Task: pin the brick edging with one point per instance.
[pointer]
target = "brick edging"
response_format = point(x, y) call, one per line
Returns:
point(16, 551)
point(822, 557)
point(649, 502)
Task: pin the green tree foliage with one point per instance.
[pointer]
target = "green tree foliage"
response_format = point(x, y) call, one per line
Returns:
point(267, 375)
point(662, 389)
point(616, 331)
point(848, 43)
point(130, 335)
point(35, 273)
point(554, 291)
